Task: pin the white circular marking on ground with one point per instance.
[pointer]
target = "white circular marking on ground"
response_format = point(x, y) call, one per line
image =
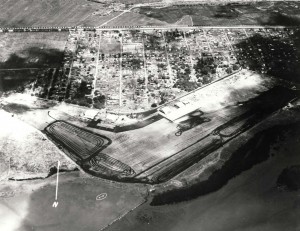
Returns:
point(101, 196)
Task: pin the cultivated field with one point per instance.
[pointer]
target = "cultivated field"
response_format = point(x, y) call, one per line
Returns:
point(90, 13)
point(235, 14)
point(51, 13)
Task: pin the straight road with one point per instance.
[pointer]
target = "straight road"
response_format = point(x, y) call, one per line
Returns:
point(165, 27)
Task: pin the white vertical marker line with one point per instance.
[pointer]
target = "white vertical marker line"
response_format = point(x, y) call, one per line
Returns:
point(58, 163)
point(55, 203)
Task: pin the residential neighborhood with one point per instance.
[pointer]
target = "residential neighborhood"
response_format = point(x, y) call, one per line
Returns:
point(138, 70)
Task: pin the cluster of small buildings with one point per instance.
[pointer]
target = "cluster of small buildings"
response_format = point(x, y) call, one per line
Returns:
point(109, 70)
point(137, 70)
point(267, 50)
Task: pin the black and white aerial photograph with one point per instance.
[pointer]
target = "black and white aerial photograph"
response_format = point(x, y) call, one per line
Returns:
point(149, 115)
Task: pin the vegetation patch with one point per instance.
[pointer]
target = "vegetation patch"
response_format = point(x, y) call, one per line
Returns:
point(290, 178)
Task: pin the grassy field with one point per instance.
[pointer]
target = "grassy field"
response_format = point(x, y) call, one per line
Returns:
point(110, 48)
point(49, 13)
point(185, 21)
point(32, 50)
point(136, 1)
point(252, 14)
point(25, 149)
point(135, 19)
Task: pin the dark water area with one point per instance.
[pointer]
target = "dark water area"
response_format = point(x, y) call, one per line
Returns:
point(255, 151)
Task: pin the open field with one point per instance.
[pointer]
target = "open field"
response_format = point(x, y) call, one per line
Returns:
point(88, 13)
point(32, 50)
point(137, 1)
point(185, 21)
point(29, 204)
point(135, 19)
point(51, 13)
point(25, 151)
point(235, 14)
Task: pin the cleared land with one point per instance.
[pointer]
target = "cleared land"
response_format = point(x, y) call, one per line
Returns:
point(135, 19)
point(185, 21)
point(25, 151)
point(51, 13)
point(78, 208)
point(90, 13)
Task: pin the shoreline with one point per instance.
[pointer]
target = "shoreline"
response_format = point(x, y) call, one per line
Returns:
point(216, 174)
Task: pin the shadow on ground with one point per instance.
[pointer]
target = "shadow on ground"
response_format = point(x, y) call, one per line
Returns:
point(13, 76)
point(275, 56)
point(34, 57)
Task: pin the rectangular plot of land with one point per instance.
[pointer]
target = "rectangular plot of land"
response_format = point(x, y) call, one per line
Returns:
point(79, 142)
point(110, 46)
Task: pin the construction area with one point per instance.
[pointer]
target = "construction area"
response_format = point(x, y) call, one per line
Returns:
point(173, 142)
